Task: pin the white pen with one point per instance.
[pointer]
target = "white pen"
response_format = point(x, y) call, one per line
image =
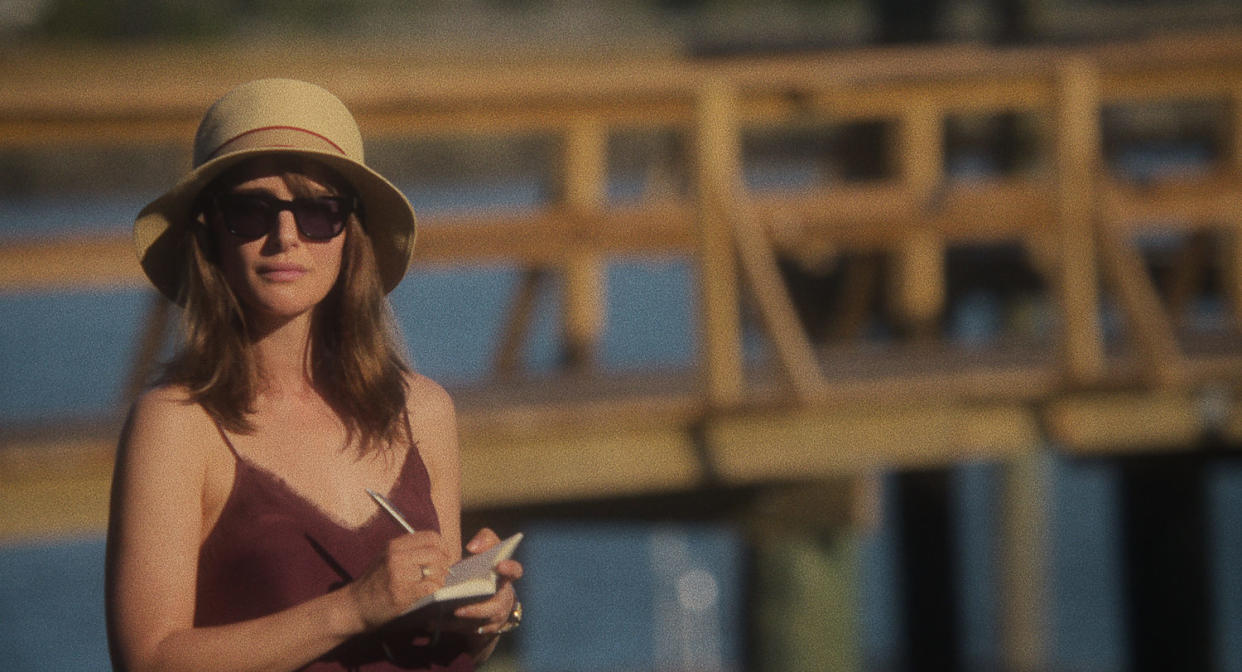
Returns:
point(392, 510)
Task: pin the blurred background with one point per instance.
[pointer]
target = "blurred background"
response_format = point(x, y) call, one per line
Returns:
point(797, 335)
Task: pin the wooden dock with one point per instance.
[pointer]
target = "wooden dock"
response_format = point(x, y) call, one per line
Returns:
point(832, 410)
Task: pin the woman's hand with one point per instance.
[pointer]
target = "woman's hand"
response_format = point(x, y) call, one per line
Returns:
point(411, 567)
point(490, 616)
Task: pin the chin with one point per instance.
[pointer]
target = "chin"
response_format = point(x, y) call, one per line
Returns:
point(281, 306)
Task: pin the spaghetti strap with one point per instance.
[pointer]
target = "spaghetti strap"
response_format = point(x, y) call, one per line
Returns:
point(409, 430)
point(232, 449)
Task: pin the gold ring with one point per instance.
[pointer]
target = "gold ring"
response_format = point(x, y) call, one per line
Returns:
point(513, 621)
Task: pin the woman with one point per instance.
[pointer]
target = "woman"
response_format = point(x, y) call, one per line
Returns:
point(241, 534)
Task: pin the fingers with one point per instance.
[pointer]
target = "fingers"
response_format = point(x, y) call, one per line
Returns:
point(419, 561)
point(423, 549)
point(491, 615)
point(510, 570)
point(410, 567)
point(502, 611)
point(422, 539)
point(482, 540)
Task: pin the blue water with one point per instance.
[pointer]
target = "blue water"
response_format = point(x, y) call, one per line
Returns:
point(51, 606)
point(632, 597)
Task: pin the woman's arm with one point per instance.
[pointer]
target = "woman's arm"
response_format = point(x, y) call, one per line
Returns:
point(155, 529)
point(434, 420)
point(434, 417)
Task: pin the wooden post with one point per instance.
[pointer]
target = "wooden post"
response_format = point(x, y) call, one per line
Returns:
point(804, 564)
point(918, 260)
point(1168, 558)
point(805, 601)
point(585, 184)
point(930, 601)
point(929, 597)
point(1023, 562)
point(1078, 158)
point(717, 180)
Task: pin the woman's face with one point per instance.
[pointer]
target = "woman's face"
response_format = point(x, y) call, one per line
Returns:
point(282, 274)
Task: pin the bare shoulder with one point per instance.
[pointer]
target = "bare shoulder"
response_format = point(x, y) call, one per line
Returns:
point(165, 399)
point(166, 408)
point(433, 418)
point(427, 400)
point(165, 423)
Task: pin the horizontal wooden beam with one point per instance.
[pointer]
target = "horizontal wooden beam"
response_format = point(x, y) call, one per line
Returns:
point(1124, 421)
point(557, 467)
point(1174, 203)
point(858, 439)
point(862, 217)
point(559, 452)
point(50, 97)
point(79, 262)
point(56, 486)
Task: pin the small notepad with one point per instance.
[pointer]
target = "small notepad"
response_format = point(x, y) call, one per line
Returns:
point(472, 578)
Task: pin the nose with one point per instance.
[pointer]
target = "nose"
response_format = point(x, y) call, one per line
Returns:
point(285, 234)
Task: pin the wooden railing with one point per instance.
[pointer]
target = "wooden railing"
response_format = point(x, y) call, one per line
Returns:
point(1076, 220)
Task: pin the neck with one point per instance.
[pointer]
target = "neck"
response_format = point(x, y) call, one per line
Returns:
point(282, 353)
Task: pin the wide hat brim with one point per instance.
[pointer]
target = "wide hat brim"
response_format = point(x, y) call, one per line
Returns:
point(161, 227)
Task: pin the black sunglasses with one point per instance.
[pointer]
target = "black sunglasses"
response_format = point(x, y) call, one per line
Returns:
point(252, 216)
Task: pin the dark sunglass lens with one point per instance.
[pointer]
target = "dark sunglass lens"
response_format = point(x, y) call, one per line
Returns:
point(245, 216)
point(251, 216)
point(321, 218)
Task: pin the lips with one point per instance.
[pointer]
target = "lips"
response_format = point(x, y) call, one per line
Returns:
point(281, 272)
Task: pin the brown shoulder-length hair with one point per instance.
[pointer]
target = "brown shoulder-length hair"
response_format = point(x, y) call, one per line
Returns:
point(355, 357)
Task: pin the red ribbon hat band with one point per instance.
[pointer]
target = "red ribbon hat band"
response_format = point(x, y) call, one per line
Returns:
point(270, 135)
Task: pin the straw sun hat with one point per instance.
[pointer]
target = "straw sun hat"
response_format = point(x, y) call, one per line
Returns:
point(275, 116)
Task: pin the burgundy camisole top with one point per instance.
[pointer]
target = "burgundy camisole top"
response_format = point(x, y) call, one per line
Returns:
point(272, 549)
